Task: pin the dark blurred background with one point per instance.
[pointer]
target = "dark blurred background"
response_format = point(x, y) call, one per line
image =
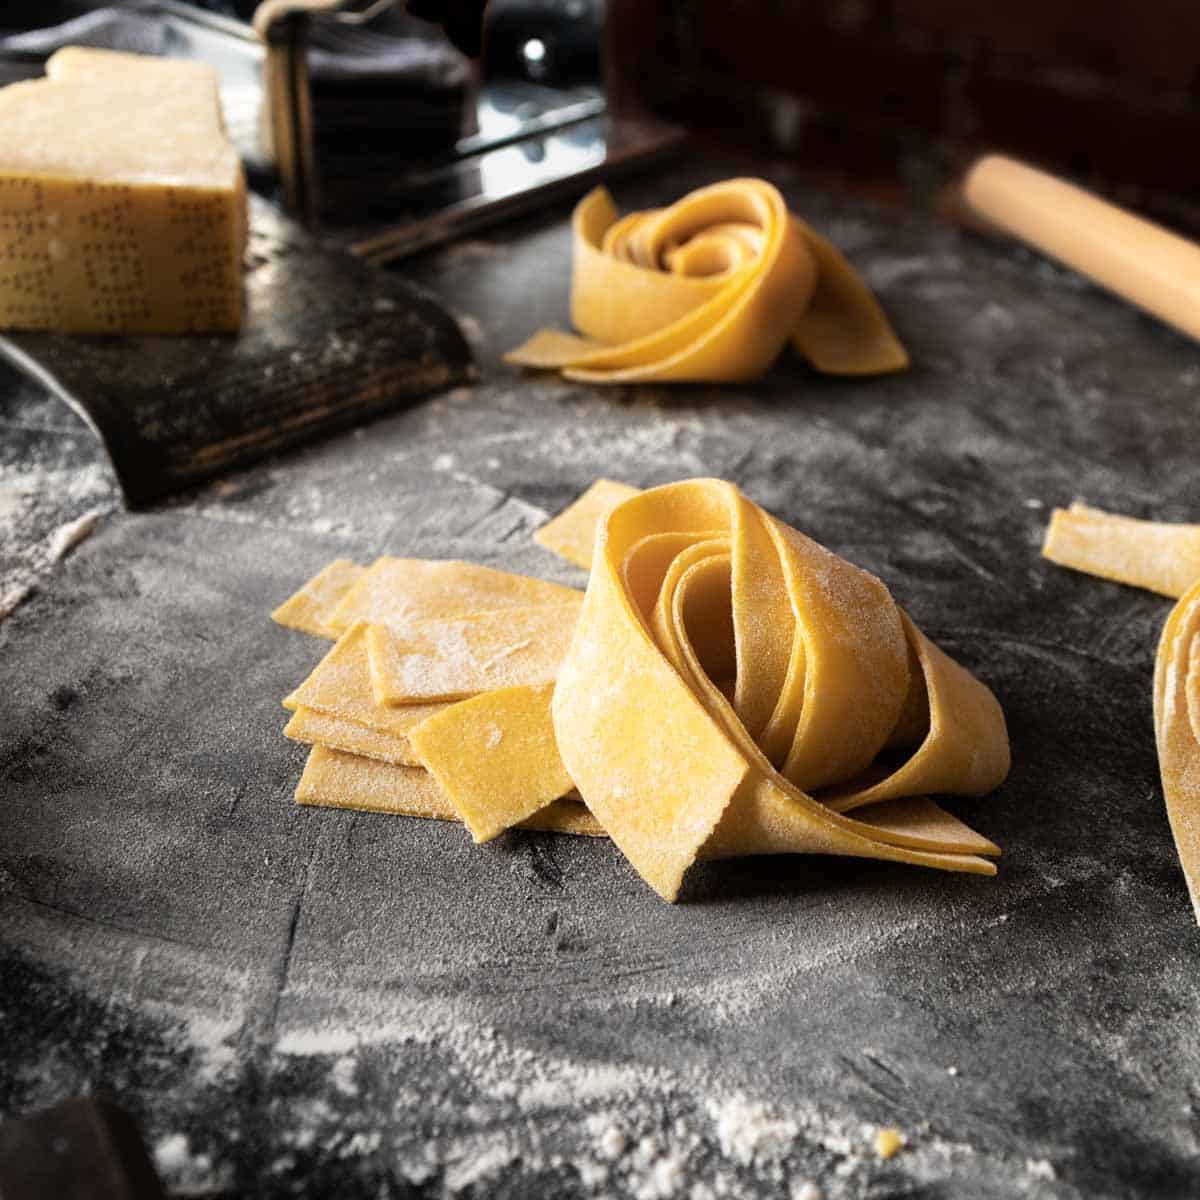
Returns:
point(889, 97)
point(896, 95)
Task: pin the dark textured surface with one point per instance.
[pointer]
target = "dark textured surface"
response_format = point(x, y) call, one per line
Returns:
point(317, 1003)
point(82, 1149)
point(325, 342)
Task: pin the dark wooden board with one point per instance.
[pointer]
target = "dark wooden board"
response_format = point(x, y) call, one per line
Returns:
point(326, 342)
point(310, 1003)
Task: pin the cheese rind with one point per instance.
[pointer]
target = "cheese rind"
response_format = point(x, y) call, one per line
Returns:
point(122, 202)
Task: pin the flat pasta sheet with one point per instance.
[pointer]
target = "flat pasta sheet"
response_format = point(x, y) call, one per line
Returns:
point(1154, 555)
point(725, 687)
point(450, 660)
point(309, 610)
point(333, 779)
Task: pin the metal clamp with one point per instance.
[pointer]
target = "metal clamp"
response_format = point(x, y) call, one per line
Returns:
point(283, 27)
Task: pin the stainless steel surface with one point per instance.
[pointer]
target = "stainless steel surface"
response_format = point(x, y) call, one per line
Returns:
point(472, 193)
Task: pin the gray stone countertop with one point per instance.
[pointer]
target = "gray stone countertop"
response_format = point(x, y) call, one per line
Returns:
point(320, 1003)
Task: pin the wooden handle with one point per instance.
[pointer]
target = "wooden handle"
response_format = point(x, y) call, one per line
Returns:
point(1155, 269)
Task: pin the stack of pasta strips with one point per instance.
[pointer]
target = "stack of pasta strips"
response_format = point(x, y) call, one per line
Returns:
point(726, 686)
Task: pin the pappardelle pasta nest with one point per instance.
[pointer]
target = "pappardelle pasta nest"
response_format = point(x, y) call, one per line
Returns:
point(709, 290)
point(725, 686)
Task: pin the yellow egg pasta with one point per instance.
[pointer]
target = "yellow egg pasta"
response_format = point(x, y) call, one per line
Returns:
point(495, 757)
point(709, 290)
point(572, 533)
point(725, 666)
point(1164, 558)
point(340, 686)
point(450, 660)
point(1155, 555)
point(338, 733)
point(726, 686)
point(310, 609)
point(400, 592)
point(333, 779)
point(1177, 731)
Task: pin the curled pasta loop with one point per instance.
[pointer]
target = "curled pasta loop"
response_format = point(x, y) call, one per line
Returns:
point(735, 688)
point(709, 290)
point(1177, 731)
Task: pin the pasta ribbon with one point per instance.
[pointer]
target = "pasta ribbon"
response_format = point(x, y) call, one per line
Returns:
point(725, 667)
point(1162, 557)
point(1177, 731)
point(1156, 555)
point(709, 290)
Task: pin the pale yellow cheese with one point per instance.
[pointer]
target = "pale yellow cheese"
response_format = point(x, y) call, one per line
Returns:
point(122, 202)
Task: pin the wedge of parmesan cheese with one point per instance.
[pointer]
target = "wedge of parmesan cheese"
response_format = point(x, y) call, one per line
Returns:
point(122, 202)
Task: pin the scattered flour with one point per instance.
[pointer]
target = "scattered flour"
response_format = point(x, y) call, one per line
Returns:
point(191, 1174)
point(612, 1142)
point(1041, 1168)
point(476, 1168)
point(33, 536)
point(309, 1042)
point(66, 537)
point(805, 1189)
point(747, 1130)
point(592, 1175)
point(664, 1180)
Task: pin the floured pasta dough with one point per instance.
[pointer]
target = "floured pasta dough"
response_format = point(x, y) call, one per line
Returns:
point(1163, 558)
point(340, 686)
point(1154, 555)
point(335, 780)
point(324, 729)
point(400, 592)
point(693, 583)
point(709, 290)
point(310, 609)
point(1177, 731)
point(448, 660)
point(726, 687)
point(495, 757)
point(572, 533)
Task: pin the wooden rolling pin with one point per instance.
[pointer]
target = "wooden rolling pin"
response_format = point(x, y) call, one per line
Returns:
point(1154, 268)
